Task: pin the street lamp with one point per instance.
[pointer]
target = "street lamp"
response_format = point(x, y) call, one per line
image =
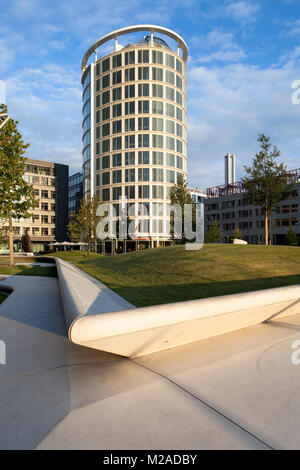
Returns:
point(4, 117)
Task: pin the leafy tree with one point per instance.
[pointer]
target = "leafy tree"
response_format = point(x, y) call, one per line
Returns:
point(179, 194)
point(267, 181)
point(26, 244)
point(16, 195)
point(214, 233)
point(83, 225)
point(3, 233)
point(291, 238)
point(237, 233)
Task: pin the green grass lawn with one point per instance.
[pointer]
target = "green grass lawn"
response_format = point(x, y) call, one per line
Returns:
point(172, 274)
point(25, 270)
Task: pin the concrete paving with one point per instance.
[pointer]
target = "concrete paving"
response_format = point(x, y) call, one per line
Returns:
point(235, 391)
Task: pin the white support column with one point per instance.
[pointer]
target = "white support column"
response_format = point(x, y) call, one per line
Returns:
point(93, 134)
point(151, 38)
point(95, 52)
point(116, 43)
point(233, 167)
point(178, 50)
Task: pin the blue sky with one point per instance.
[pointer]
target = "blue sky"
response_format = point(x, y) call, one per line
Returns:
point(243, 57)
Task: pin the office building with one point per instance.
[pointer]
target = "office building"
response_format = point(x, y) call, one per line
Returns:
point(134, 123)
point(75, 193)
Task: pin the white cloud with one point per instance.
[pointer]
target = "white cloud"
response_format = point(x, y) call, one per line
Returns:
point(244, 12)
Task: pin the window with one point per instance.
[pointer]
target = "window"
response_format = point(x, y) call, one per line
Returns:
point(157, 124)
point(130, 125)
point(129, 91)
point(157, 107)
point(130, 107)
point(117, 94)
point(105, 145)
point(170, 93)
point(117, 61)
point(179, 162)
point(179, 146)
point(157, 57)
point(130, 158)
point(170, 110)
point(117, 143)
point(105, 129)
point(158, 174)
point(105, 162)
point(143, 56)
point(157, 141)
point(144, 158)
point(170, 176)
point(130, 192)
point(105, 113)
point(170, 159)
point(143, 89)
point(130, 175)
point(117, 110)
point(130, 141)
point(143, 107)
point(179, 114)
point(106, 81)
point(44, 206)
point(157, 158)
point(106, 178)
point(117, 127)
point(143, 192)
point(170, 77)
point(157, 74)
point(157, 91)
point(44, 194)
point(105, 97)
point(178, 81)
point(170, 143)
point(117, 77)
point(178, 66)
point(157, 192)
point(117, 159)
point(143, 124)
point(44, 231)
point(117, 176)
point(143, 140)
point(170, 126)
point(170, 61)
point(143, 73)
point(179, 130)
point(105, 194)
point(178, 97)
point(129, 75)
point(130, 57)
point(117, 193)
point(105, 65)
point(143, 174)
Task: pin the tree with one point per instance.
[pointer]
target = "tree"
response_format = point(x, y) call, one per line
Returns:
point(16, 195)
point(83, 225)
point(179, 194)
point(267, 181)
point(237, 234)
point(291, 238)
point(214, 233)
point(26, 244)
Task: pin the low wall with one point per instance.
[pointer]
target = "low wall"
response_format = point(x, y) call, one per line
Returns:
point(100, 319)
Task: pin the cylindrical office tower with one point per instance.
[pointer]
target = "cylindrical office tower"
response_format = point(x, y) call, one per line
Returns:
point(134, 123)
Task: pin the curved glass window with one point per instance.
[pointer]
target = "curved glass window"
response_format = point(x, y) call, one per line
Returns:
point(86, 139)
point(86, 124)
point(86, 109)
point(86, 154)
point(87, 94)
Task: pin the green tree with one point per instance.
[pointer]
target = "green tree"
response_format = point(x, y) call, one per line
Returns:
point(84, 224)
point(237, 234)
point(16, 195)
point(214, 233)
point(291, 238)
point(266, 183)
point(179, 194)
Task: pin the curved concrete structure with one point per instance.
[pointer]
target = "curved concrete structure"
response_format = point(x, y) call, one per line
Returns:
point(133, 29)
point(105, 323)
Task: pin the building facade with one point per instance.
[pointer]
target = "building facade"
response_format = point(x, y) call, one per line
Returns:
point(75, 193)
point(229, 206)
point(198, 195)
point(134, 124)
point(50, 218)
